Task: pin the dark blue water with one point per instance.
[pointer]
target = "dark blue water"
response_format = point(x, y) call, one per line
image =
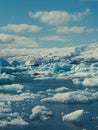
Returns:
point(55, 123)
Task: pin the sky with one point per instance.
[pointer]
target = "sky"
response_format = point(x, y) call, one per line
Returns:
point(31, 24)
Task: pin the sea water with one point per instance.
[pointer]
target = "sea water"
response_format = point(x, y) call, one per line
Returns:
point(89, 121)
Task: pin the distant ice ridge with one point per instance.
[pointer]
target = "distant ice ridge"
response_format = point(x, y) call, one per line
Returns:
point(69, 62)
point(75, 116)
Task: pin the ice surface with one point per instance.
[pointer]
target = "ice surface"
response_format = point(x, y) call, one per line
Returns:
point(3, 62)
point(75, 116)
point(17, 121)
point(14, 63)
point(13, 119)
point(12, 87)
point(91, 82)
point(79, 96)
point(17, 97)
point(6, 78)
point(74, 67)
point(40, 112)
point(62, 63)
point(58, 90)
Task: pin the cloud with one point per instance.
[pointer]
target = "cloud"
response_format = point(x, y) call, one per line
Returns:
point(70, 30)
point(97, 29)
point(58, 17)
point(67, 30)
point(20, 28)
point(17, 41)
point(54, 38)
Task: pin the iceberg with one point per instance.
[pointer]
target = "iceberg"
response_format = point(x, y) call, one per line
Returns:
point(12, 88)
point(91, 82)
point(6, 79)
point(3, 62)
point(17, 97)
point(41, 113)
point(14, 63)
point(58, 90)
point(13, 119)
point(75, 116)
point(17, 121)
point(79, 96)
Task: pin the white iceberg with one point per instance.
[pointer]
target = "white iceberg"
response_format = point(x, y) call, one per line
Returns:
point(18, 121)
point(41, 113)
point(13, 119)
point(91, 82)
point(75, 116)
point(79, 96)
point(12, 87)
point(3, 123)
point(6, 78)
point(17, 97)
point(58, 90)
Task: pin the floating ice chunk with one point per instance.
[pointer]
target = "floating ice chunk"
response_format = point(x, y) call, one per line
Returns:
point(12, 87)
point(17, 121)
point(65, 67)
point(80, 68)
point(17, 97)
point(58, 90)
point(91, 82)
point(77, 81)
point(3, 123)
point(13, 119)
point(72, 97)
point(75, 116)
point(2, 104)
point(3, 62)
point(40, 112)
point(6, 78)
point(14, 63)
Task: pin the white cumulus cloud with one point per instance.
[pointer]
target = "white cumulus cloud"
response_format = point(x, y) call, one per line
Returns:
point(73, 29)
point(20, 28)
point(17, 41)
point(54, 38)
point(56, 17)
point(67, 30)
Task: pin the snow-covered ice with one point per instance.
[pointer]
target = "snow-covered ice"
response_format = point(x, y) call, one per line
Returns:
point(75, 116)
point(22, 76)
point(12, 87)
point(79, 96)
point(41, 113)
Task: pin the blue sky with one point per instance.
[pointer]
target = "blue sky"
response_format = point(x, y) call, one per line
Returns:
point(26, 24)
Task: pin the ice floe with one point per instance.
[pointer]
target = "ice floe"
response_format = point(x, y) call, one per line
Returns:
point(12, 87)
point(41, 113)
point(79, 96)
point(91, 82)
point(17, 97)
point(13, 119)
point(75, 116)
point(6, 78)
